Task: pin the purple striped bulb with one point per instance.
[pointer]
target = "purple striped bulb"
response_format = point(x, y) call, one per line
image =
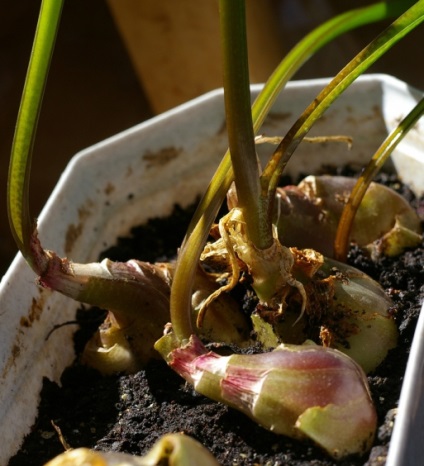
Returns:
point(298, 391)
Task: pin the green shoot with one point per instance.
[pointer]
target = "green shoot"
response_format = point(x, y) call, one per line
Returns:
point(341, 242)
point(20, 220)
point(239, 120)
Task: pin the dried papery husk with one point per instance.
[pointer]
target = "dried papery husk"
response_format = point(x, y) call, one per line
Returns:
point(270, 269)
point(299, 391)
point(309, 213)
point(169, 450)
point(275, 140)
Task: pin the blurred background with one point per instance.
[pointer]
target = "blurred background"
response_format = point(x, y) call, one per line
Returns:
point(104, 78)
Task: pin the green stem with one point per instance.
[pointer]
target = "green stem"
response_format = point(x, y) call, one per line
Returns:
point(21, 223)
point(341, 242)
point(207, 210)
point(239, 120)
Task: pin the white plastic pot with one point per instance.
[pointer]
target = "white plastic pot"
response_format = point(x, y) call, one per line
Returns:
point(142, 173)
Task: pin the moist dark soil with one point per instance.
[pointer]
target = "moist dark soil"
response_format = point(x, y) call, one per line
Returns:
point(129, 413)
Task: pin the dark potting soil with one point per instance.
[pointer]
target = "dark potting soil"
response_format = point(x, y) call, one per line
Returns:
point(129, 413)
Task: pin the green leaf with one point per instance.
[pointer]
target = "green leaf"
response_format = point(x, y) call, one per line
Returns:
point(368, 56)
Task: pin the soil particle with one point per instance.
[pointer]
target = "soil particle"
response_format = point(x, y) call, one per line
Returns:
point(129, 413)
